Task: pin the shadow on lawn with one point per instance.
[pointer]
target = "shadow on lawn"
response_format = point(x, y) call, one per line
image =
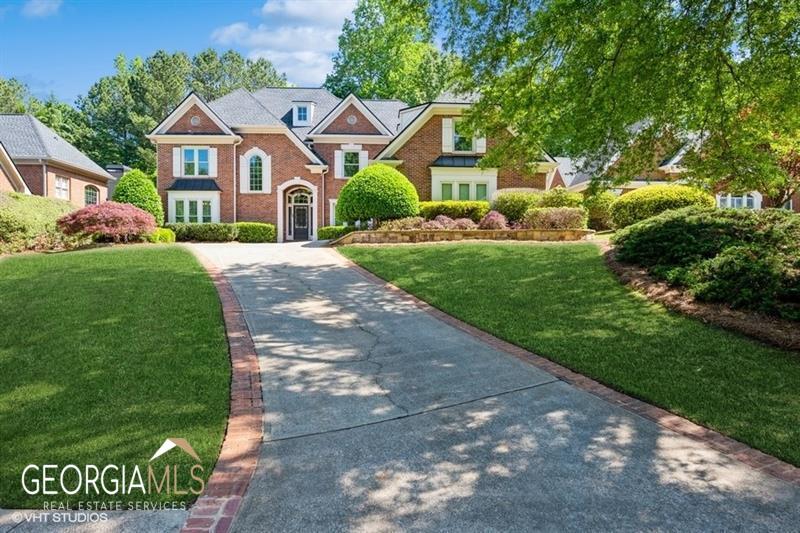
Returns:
point(547, 457)
point(103, 355)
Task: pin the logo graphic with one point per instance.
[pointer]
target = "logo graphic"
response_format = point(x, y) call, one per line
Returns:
point(174, 442)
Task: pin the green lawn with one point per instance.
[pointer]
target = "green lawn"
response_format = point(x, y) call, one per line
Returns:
point(561, 302)
point(103, 355)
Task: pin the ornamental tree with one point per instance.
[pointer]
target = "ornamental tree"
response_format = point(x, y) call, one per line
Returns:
point(136, 188)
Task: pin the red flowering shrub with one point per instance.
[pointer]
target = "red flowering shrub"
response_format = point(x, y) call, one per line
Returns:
point(493, 220)
point(109, 221)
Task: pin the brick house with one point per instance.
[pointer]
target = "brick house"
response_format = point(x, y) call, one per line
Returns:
point(49, 165)
point(281, 155)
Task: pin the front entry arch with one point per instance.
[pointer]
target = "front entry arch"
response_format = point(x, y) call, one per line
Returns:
point(297, 211)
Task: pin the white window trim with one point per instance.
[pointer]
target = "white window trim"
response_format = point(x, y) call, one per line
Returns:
point(244, 172)
point(59, 190)
point(332, 210)
point(473, 150)
point(757, 199)
point(457, 175)
point(199, 196)
point(197, 161)
point(309, 113)
point(282, 208)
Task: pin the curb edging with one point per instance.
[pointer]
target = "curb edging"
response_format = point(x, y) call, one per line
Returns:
point(726, 445)
point(215, 510)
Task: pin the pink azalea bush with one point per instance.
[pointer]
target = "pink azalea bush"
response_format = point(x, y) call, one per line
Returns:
point(493, 220)
point(464, 223)
point(110, 221)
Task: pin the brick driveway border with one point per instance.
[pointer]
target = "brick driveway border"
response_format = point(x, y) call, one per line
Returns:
point(216, 508)
point(724, 444)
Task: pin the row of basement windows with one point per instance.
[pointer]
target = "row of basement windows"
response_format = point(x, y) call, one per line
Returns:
point(193, 211)
point(464, 191)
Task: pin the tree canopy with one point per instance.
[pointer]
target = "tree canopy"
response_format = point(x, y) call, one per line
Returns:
point(387, 51)
point(593, 79)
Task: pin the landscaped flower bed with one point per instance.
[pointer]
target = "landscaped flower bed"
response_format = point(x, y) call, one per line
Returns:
point(422, 235)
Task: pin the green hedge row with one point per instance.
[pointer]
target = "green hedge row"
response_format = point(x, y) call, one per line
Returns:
point(220, 232)
point(29, 222)
point(473, 210)
point(334, 232)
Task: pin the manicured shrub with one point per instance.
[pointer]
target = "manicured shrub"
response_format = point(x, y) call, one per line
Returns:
point(556, 218)
point(493, 220)
point(684, 236)
point(402, 224)
point(136, 188)
point(334, 232)
point(162, 235)
point(599, 207)
point(445, 221)
point(377, 192)
point(473, 210)
point(432, 225)
point(654, 199)
point(513, 204)
point(742, 276)
point(255, 232)
point(29, 222)
point(560, 197)
point(109, 221)
point(204, 232)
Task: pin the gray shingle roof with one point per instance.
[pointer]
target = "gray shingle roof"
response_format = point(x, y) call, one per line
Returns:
point(194, 184)
point(26, 138)
point(240, 108)
point(387, 111)
point(279, 102)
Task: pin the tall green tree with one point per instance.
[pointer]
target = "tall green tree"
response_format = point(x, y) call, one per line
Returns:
point(597, 78)
point(62, 118)
point(13, 96)
point(387, 51)
point(213, 75)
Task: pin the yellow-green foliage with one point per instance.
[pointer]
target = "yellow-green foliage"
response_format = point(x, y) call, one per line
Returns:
point(30, 221)
point(654, 199)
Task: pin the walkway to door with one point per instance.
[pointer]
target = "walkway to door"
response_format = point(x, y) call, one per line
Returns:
point(380, 417)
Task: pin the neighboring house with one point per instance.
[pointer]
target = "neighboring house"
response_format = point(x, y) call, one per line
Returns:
point(282, 155)
point(10, 178)
point(49, 165)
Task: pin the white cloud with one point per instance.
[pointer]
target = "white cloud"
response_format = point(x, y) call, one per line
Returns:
point(298, 36)
point(41, 8)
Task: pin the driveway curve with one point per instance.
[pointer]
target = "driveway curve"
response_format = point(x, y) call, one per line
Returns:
point(379, 417)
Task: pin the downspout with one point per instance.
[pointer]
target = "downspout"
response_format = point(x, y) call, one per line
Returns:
point(324, 203)
point(235, 190)
point(44, 178)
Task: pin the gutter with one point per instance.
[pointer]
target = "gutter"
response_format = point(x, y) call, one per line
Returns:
point(235, 190)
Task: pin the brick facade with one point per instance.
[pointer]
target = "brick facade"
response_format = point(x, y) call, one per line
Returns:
point(426, 145)
point(362, 126)
point(32, 174)
point(5, 182)
point(184, 124)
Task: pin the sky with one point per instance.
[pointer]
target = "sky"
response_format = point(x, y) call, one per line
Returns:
point(63, 46)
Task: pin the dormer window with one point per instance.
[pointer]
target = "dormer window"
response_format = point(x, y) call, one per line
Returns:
point(303, 113)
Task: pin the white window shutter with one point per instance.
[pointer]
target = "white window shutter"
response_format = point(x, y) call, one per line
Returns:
point(480, 145)
point(212, 162)
point(244, 174)
point(177, 167)
point(338, 164)
point(268, 174)
point(363, 159)
point(447, 135)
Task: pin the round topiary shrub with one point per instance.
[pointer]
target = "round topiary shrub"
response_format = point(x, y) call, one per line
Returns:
point(136, 188)
point(162, 235)
point(654, 199)
point(378, 192)
point(599, 208)
point(109, 221)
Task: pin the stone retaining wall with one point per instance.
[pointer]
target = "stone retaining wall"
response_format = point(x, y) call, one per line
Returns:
point(412, 236)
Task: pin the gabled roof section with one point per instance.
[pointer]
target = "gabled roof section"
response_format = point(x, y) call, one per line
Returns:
point(240, 108)
point(280, 100)
point(191, 99)
point(24, 137)
point(11, 170)
point(355, 101)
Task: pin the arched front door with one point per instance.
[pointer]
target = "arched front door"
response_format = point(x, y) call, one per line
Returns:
point(299, 215)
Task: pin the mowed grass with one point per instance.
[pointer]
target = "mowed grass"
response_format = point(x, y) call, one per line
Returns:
point(103, 355)
point(561, 302)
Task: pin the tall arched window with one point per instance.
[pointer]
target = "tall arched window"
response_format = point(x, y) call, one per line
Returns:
point(256, 173)
point(91, 195)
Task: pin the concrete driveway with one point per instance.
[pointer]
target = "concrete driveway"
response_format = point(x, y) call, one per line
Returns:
point(380, 417)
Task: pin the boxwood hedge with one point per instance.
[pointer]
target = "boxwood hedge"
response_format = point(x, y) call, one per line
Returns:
point(654, 199)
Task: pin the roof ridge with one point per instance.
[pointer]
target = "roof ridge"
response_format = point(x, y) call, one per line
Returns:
point(262, 106)
point(36, 123)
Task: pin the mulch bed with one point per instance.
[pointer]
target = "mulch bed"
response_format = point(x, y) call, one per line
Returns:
point(771, 330)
